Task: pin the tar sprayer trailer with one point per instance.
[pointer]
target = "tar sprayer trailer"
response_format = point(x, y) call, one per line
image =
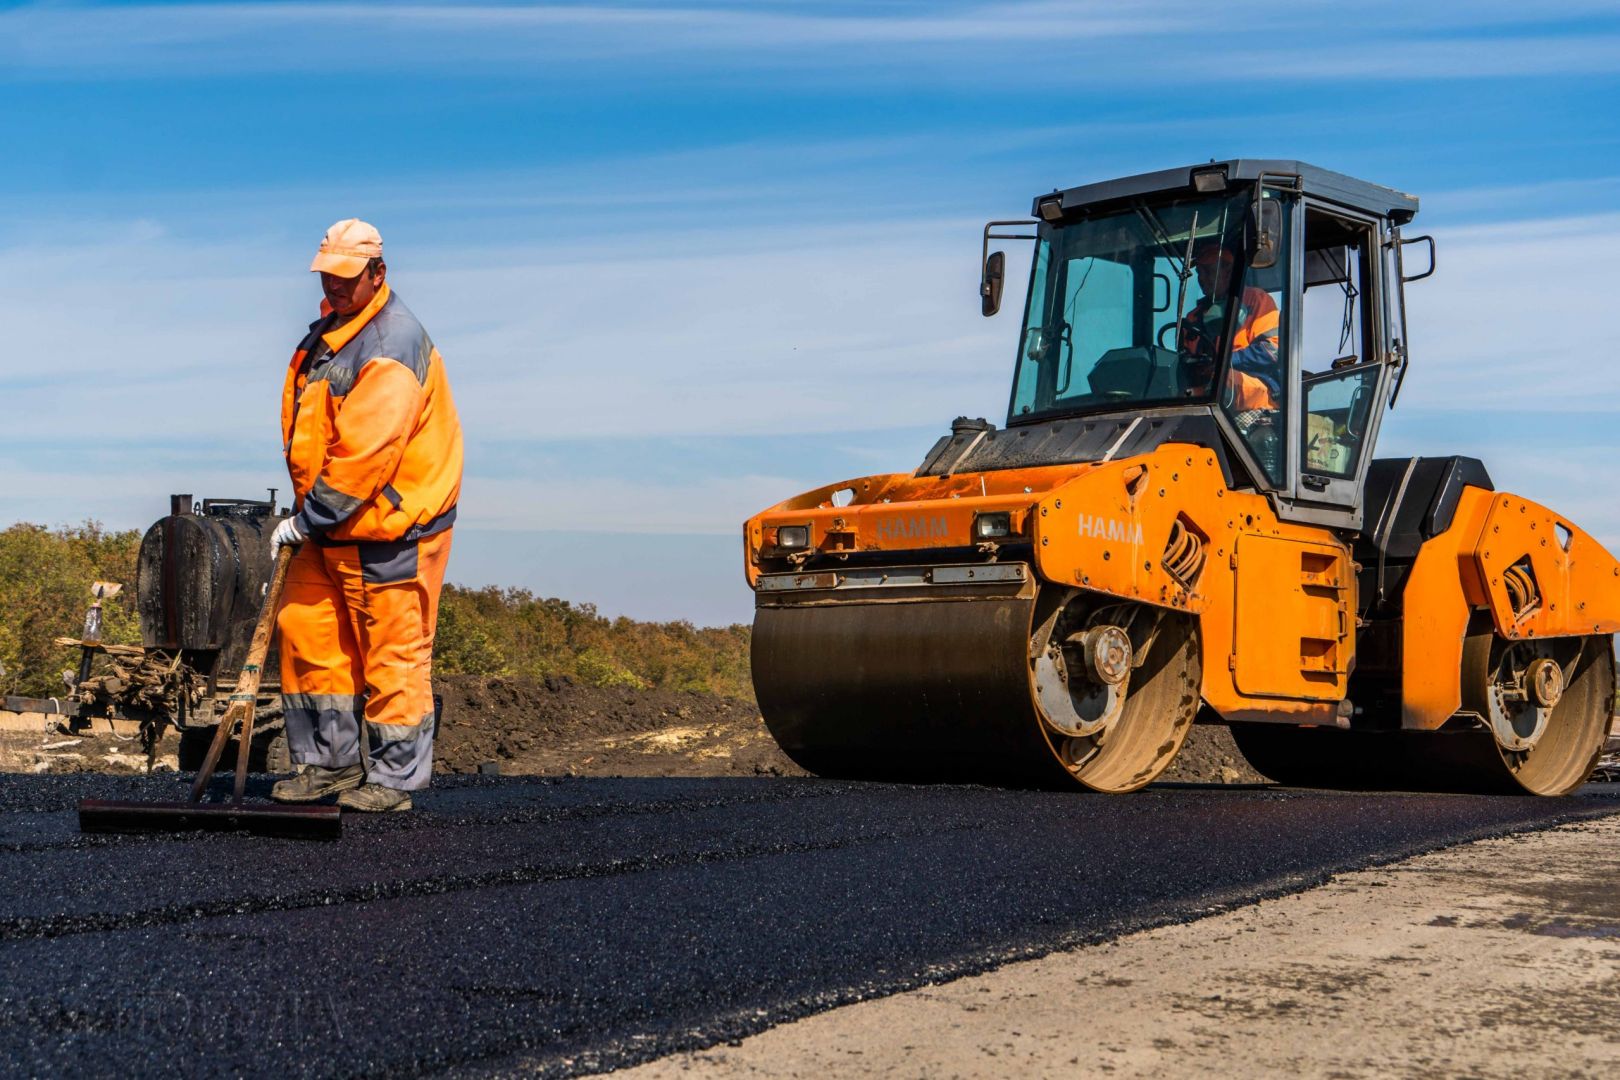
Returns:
point(201, 577)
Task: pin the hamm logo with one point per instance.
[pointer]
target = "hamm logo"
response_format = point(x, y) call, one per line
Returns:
point(912, 528)
point(1100, 528)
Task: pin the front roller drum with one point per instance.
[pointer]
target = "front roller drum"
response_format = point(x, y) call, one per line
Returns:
point(945, 689)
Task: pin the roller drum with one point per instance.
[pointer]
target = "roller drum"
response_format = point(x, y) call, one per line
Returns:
point(903, 688)
point(938, 684)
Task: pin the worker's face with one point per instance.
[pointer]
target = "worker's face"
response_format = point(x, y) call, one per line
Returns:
point(1213, 275)
point(349, 296)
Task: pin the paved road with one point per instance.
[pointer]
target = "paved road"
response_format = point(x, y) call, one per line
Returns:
point(567, 926)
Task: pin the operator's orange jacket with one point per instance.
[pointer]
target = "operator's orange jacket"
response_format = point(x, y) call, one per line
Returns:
point(1254, 349)
point(371, 434)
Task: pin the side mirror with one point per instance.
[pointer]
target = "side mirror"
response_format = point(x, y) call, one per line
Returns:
point(1265, 225)
point(991, 282)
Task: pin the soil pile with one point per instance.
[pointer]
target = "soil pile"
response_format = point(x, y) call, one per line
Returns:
point(1210, 756)
point(556, 727)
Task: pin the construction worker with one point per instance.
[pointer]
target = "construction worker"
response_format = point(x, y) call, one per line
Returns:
point(373, 446)
point(1255, 378)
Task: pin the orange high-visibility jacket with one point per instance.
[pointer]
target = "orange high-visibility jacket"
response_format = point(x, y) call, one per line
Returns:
point(372, 438)
point(1254, 350)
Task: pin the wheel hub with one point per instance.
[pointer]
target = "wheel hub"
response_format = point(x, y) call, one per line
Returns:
point(1082, 683)
point(1546, 681)
point(1527, 684)
point(1107, 650)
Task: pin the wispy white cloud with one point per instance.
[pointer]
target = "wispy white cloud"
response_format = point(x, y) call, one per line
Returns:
point(1104, 40)
point(281, 35)
point(814, 333)
point(1516, 318)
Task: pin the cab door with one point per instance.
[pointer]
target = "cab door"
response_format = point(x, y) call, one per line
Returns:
point(1346, 360)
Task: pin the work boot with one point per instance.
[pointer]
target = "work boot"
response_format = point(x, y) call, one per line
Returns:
point(375, 799)
point(317, 782)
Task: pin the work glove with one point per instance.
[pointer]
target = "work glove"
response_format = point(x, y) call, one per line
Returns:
point(290, 531)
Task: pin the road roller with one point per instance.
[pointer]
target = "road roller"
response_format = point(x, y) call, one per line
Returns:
point(1182, 521)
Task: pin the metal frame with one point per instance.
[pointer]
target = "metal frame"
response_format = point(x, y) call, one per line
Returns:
point(1325, 184)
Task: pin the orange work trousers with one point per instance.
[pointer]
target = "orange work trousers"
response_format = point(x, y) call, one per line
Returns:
point(356, 626)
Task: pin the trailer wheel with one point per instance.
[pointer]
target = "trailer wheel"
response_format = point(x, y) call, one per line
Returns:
point(193, 748)
point(278, 755)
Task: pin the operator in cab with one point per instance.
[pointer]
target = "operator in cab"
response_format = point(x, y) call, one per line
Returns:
point(1255, 378)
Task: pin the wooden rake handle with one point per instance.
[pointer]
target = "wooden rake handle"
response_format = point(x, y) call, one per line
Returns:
point(247, 687)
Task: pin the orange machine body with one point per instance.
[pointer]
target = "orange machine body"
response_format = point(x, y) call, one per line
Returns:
point(1496, 543)
point(1276, 601)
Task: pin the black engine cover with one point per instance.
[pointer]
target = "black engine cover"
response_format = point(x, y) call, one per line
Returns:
point(201, 578)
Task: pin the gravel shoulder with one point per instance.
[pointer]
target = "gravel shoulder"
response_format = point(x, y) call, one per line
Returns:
point(1499, 958)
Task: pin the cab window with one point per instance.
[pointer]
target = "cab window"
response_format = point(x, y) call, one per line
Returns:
point(1340, 365)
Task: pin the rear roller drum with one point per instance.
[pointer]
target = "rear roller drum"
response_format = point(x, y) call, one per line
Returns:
point(1546, 706)
point(1543, 711)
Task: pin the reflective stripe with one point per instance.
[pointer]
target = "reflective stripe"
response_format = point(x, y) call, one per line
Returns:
point(338, 377)
point(322, 729)
point(432, 528)
point(392, 334)
point(387, 562)
point(401, 732)
point(325, 506)
point(350, 703)
point(400, 755)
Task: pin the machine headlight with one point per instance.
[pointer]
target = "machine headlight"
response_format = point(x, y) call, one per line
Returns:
point(792, 537)
point(992, 526)
point(1209, 181)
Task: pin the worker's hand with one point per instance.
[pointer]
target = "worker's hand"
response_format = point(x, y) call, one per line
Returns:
point(290, 531)
point(1196, 339)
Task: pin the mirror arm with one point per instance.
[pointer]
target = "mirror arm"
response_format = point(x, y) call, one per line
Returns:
point(984, 257)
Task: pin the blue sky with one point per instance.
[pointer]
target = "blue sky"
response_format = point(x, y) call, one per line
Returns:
point(687, 259)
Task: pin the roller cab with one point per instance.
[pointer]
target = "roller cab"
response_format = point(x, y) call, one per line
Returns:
point(1182, 520)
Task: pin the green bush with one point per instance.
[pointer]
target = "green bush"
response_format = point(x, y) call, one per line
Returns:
point(45, 578)
point(494, 631)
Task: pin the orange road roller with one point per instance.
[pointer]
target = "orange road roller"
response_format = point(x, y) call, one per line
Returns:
point(1182, 522)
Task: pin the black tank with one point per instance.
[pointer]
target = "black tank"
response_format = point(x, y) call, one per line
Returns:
point(201, 579)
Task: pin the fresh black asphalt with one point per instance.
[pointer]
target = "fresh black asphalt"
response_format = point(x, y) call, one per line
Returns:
point(564, 926)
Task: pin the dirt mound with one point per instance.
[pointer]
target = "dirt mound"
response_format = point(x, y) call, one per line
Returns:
point(1209, 756)
point(556, 727)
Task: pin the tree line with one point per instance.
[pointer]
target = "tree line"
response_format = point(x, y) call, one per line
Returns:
point(45, 578)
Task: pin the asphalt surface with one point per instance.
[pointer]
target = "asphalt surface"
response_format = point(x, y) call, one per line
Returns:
point(566, 926)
